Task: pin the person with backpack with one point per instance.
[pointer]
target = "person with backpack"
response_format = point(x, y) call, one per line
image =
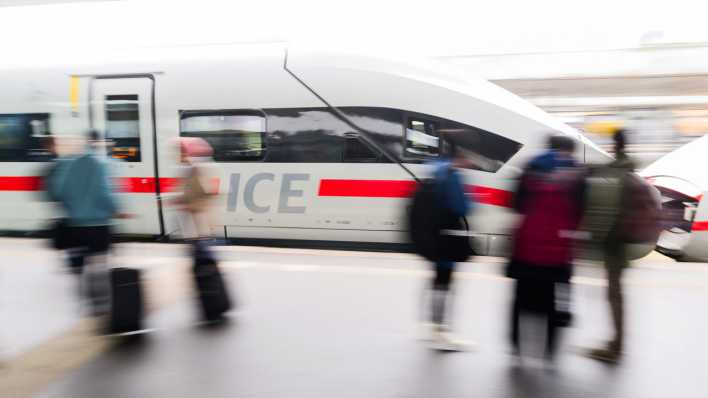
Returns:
point(549, 200)
point(438, 232)
point(614, 226)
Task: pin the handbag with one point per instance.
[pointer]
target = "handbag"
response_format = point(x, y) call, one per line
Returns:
point(60, 234)
point(454, 241)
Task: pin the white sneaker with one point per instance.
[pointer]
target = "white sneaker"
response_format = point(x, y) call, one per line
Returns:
point(442, 340)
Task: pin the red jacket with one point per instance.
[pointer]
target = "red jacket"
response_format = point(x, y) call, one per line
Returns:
point(551, 210)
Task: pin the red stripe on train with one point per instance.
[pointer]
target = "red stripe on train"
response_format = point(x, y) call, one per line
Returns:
point(30, 183)
point(491, 196)
point(699, 226)
point(328, 187)
point(367, 188)
point(126, 184)
point(404, 189)
point(147, 184)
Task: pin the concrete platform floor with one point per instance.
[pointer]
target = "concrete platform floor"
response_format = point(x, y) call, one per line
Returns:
point(337, 324)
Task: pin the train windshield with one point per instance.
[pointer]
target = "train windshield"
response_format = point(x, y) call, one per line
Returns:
point(424, 135)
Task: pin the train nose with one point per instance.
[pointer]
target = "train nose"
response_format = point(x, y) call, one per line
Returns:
point(679, 201)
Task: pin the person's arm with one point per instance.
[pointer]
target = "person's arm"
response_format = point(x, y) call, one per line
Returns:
point(49, 184)
point(458, 201)
point(105, 188)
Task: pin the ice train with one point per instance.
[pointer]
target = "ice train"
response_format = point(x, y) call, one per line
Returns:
point(682, 179)
point(310, 146)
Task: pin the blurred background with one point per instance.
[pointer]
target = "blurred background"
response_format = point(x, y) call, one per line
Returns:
point(595, 66)
point(342, 323)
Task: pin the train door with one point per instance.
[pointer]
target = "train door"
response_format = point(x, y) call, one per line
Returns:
point(123, 112)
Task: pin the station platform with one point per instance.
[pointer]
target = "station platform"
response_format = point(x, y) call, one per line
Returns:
point(313, 323)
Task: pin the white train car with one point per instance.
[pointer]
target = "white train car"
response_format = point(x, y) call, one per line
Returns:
point(310, 146)
point(682, 179)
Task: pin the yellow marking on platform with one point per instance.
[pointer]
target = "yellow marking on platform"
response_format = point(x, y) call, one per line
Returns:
point(33, 371)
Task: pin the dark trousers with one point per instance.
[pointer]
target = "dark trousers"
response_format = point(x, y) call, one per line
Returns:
point(536, 298)
point(439, 295)
point(87, 241)
point(615, 263)
point(92, 243)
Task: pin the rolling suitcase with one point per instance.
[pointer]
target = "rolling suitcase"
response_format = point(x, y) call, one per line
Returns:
point(127, 301)
point(213, 294)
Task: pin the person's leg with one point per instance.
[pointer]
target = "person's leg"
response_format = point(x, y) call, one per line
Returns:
point(615, 262)
point(76, 253)
point(77, 259)
point(616, 300)
point(440, 291)
point(548, 291)
point(564, 315)
point(97, 278)
point(515, 315)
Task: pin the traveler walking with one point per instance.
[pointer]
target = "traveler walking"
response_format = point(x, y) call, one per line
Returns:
point(197, 190)
point(82, 186)
point(549, 200)
point(59, 233)
point(439, 233)
point(195, 202)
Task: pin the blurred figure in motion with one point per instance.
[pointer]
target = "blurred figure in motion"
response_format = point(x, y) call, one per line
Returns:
point(437, 224)
point(81, 184)
point(49, 147)
point(60, 234)
point(199, 191)
point(549, 200)
point(607, 206)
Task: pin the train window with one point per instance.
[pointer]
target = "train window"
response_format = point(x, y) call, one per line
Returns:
point(22, 137)
point(305, 135)
point(123, 126)
point(425, 135)
point(357, 151)
point(383, 125)
point(421, 139)
point(236, 136)
point(318, 135)
point(487, 151)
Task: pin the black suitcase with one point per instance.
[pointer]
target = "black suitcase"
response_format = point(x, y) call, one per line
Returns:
point(127, 301)
point(213, 294)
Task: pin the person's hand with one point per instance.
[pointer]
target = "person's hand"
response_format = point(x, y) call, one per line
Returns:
point(123, 216)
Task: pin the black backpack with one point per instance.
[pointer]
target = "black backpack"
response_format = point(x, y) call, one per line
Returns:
point(428, 223)
point(423, 219)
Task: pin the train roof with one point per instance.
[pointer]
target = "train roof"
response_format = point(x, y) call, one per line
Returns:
point(311, 64)
point(431, 72)
point(427, 72)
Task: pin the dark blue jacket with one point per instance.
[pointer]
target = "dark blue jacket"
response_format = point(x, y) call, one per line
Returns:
point(452, 191)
